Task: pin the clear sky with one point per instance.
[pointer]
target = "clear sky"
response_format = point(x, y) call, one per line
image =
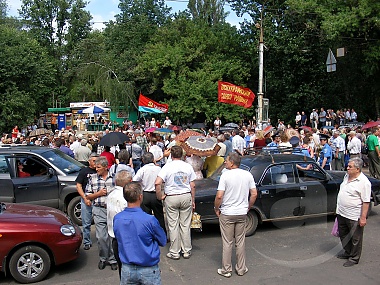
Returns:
point(105, 10)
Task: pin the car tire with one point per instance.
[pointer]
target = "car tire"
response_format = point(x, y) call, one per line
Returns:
point(251, 224)
point(29, 264)
point(74, 210)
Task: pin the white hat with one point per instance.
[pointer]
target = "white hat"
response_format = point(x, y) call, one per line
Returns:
point(172, 136)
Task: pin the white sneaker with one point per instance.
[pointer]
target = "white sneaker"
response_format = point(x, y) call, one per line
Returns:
point(186, 255)
point(227, 274)
point(172, 256)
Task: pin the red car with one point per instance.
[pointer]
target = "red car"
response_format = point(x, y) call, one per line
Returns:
point(32, 238)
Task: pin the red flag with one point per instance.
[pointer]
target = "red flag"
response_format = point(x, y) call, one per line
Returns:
point(233, 94)
point(149, 106)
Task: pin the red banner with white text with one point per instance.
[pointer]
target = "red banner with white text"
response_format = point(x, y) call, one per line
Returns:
point(232, 94)
point(149, 106)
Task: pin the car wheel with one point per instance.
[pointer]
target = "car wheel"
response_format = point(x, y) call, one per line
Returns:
point(29, 264)
point(74, 210)
point(251, 224)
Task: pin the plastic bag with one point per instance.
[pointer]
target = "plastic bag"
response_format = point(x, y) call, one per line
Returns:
point(335, 230)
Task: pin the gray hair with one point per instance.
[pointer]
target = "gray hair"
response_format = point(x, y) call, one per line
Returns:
point(235, 158)
point(358, 162)
point(123, 155)
point(148, 157)
point(94, 154)
point(122, 178)
point(102, 161)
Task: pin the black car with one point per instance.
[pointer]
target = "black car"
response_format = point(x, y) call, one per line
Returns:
point(286, 190)
point(41, 176)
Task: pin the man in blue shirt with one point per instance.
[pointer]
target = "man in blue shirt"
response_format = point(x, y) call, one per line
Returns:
point(139, 236)
point(326, 153)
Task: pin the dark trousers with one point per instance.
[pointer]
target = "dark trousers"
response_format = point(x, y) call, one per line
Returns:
point(351, 237)
point(151, 204)
point(374, 164)
point(115, 248)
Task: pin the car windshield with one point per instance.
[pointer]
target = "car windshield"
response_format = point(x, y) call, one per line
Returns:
point(222, 168)
point(62, 161)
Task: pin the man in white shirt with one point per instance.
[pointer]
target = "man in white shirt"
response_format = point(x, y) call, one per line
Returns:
point(167, 122)
point(147, 177)
point(354, 145)
point(179, 197)
point(217, 124)
point(235, 196)
point(298, 119)
point(238, 142)
point(115, 204)
point(352, 208)
point(156, 151)
point(339, 150)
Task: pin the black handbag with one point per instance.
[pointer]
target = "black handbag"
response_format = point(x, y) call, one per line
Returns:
point(364, 149)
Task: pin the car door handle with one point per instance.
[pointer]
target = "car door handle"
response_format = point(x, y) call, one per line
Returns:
point(303, 187)
point(264, 191)
point(24, 187)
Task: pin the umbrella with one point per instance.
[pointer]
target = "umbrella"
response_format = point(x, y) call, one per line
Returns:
point(38, 132)
point(267, 130)
point(181, 137)
point(232, 125)
point(306, 128)
point(371, 124)
point(175, 128)
point(150, 130)
point(292, 133)
point(114, 138)
point(200, 146)
point(163, 130)
point(93, 110)
point(198, 126)
point(226, 129)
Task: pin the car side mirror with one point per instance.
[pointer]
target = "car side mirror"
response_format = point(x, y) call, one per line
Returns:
point(51, 172)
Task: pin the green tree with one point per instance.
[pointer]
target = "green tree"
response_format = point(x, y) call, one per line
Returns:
point(183, 63)
point(354, 25)
point(57, 25)
point(210, 11)
point(3, 9)
point(26, 78)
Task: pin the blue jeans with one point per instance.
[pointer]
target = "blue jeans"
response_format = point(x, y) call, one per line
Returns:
point(134, 274)
point(86, 213)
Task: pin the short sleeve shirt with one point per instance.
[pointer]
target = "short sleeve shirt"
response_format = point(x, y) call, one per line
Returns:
point(352, 195)
point(236, 184)
point(177, 176)
point(372, 142)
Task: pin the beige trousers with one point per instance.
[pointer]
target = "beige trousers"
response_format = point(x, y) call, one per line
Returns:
point(178, 214)
point(232, 229)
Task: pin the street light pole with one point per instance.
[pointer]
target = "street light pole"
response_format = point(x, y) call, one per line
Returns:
point(261, 70)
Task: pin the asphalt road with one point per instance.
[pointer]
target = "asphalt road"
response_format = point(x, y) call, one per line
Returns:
point(297, 253)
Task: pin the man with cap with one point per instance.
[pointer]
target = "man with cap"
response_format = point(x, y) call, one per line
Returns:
point(297, 149)
point(272, 147)
point(325, 155)
point(276, 140)
point(339, 148)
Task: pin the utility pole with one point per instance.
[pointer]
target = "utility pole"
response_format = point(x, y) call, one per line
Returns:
point(261, 69)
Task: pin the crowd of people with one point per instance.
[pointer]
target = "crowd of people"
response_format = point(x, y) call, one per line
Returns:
point(126, 183)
